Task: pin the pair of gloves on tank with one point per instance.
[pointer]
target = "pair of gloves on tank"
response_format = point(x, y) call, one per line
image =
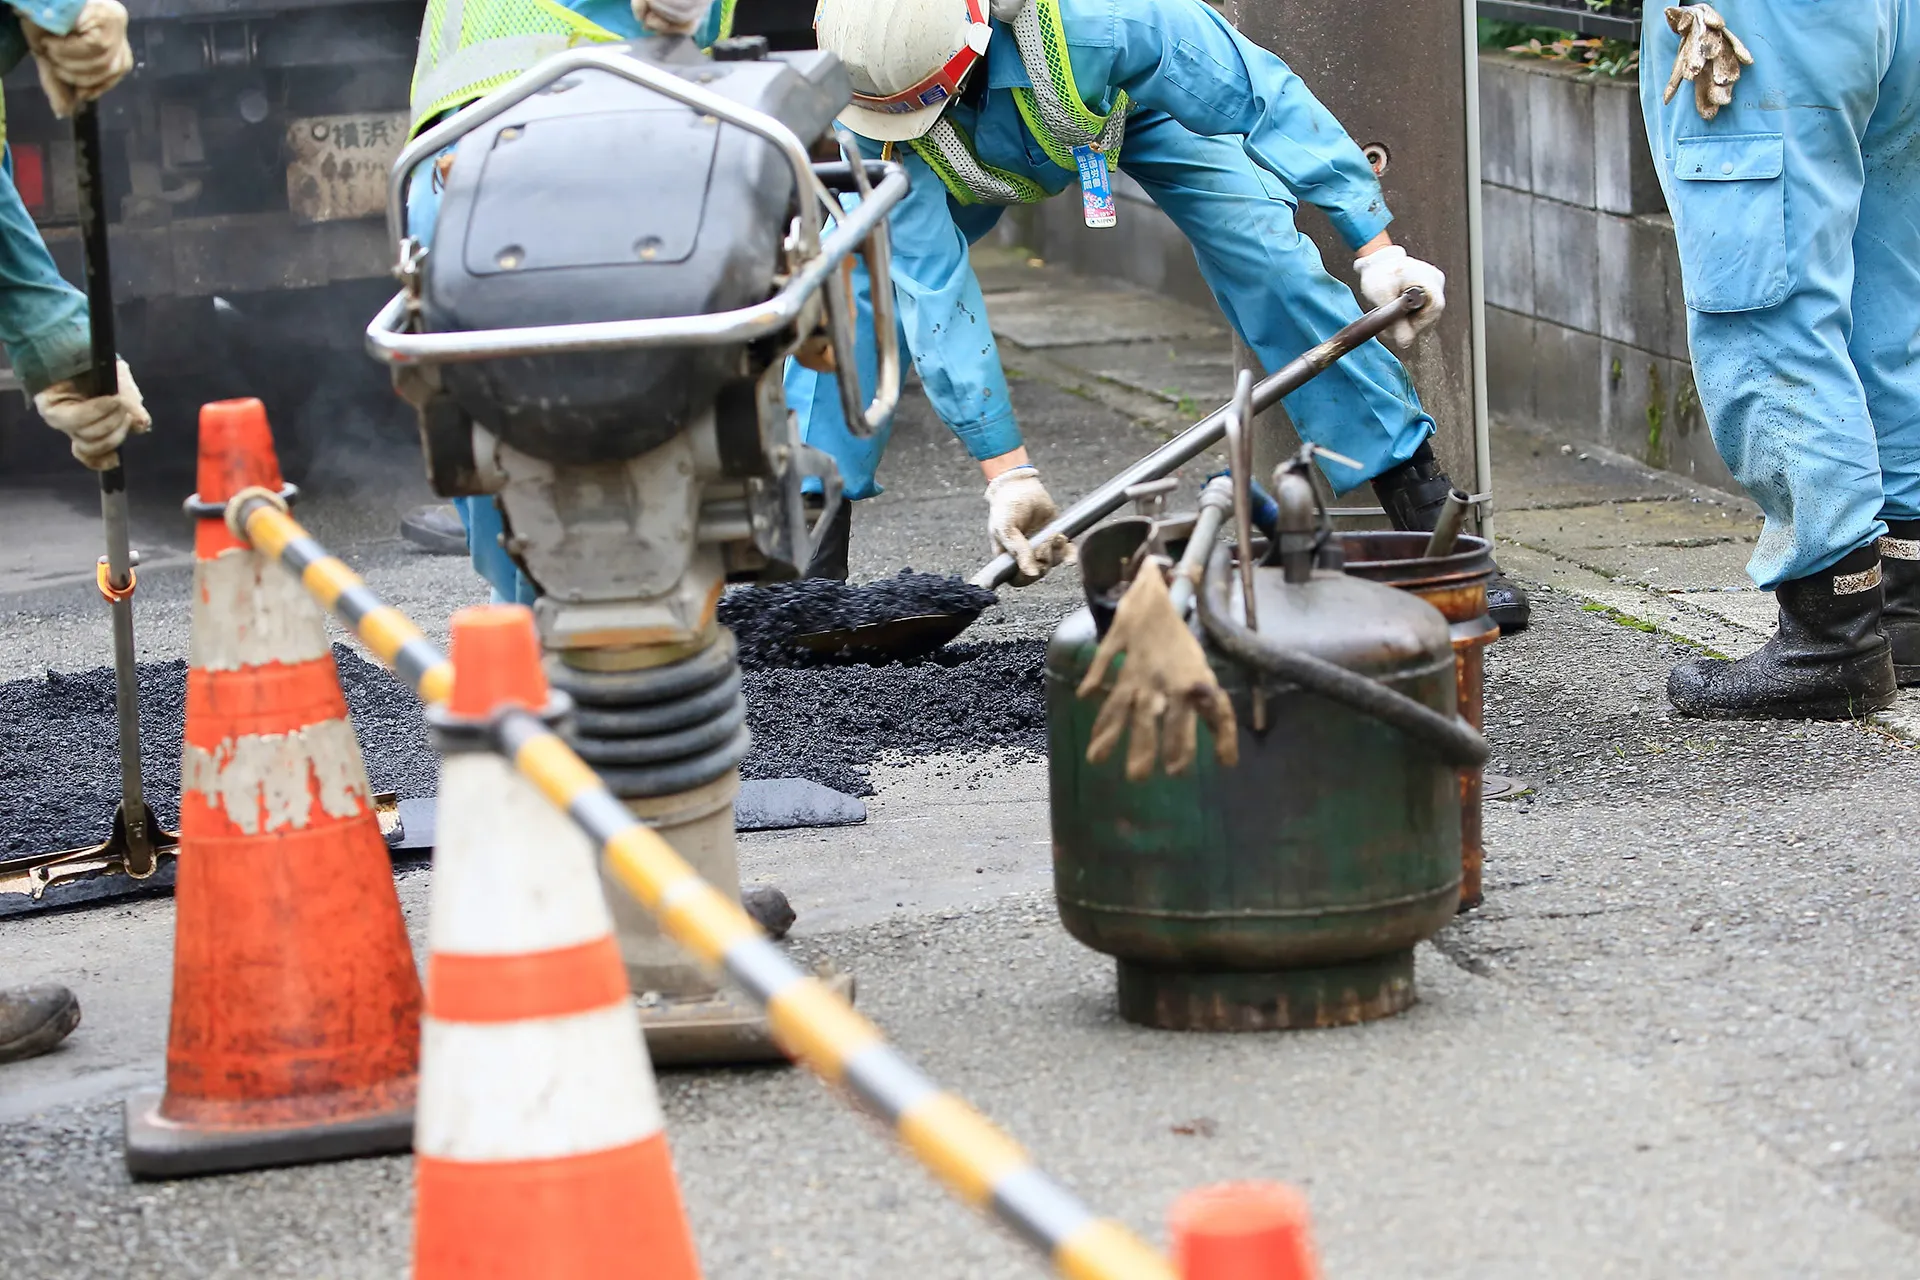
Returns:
point(76, 67)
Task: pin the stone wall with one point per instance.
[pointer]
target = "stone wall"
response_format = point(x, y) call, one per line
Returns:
point(1586, 327)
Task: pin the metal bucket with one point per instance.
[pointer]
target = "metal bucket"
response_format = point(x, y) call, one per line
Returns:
point(1456, 585)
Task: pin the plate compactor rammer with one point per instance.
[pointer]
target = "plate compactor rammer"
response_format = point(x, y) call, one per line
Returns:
point(631, 240)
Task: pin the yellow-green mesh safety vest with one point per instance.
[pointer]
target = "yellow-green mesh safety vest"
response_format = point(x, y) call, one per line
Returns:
point(469, 48)
point(1052, 110)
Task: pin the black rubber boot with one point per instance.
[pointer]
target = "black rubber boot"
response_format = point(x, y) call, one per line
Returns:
point(1413, 494)
point(830, 561)
point(436, 529)
point(34, 1019)
point(1900, 619)
point(1828, 660)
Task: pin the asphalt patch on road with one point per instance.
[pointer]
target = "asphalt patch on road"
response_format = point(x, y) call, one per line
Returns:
point(767, 621)
point(831, 722)
point(59, 742)
point(60, 748)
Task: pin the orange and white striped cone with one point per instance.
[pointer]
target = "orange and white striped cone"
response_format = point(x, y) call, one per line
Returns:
point(296, 1004)
point(1243, 1231)
point(540, 1149)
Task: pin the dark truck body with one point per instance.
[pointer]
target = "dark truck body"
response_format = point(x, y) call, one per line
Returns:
point(246, 160)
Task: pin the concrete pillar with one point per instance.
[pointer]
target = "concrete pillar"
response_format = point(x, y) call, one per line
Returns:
point(1400, 77)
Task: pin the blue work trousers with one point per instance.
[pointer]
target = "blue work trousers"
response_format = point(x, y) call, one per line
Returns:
point(1267, 277)
point(1798, 214)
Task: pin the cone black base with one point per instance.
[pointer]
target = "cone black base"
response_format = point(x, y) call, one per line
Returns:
point(158, 1148)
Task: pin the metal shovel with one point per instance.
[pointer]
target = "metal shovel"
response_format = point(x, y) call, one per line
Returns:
point(901, 638)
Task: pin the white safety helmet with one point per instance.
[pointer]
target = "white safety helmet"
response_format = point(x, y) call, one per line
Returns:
point(907, 59)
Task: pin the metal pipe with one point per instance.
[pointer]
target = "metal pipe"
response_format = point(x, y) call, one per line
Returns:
point(388, 342)
point(1216, 503)
point(843, 307)
point(1477, 275)
point(1240, 467)
point(1446, 530)
point(1203, 435)
point(103, 379)
point(1446, 734)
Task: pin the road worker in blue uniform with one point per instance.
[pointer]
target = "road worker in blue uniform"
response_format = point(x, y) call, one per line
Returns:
point(469, 48)
point(1015, 101)
point(1791, 164)
point(80, 49)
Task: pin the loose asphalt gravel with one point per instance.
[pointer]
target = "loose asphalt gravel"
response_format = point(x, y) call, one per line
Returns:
point(768, 620)
point(825, 722)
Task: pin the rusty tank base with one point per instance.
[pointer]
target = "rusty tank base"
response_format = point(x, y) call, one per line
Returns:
point(1280, 1000)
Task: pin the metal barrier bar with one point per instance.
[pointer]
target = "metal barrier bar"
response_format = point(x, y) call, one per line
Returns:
point(963, 1149)
point(1581, 20)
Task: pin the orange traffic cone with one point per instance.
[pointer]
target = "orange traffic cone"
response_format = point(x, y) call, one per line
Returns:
point(1243, 1231)
point(540, 1149)
point(295, 1031)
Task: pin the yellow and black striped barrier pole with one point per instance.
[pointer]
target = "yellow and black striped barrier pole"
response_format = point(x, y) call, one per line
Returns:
point(963, 1149)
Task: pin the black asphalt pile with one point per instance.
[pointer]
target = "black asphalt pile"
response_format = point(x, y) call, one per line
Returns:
point(831, 722)
point(60, 753)
point(766, 620)
point(60, 763)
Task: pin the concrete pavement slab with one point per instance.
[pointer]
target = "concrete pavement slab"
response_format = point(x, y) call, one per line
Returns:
point(1046, 317)
point(1617, 524)
point(1751, 610)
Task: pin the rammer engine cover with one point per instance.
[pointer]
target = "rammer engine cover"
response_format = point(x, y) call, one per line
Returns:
point(600, 200)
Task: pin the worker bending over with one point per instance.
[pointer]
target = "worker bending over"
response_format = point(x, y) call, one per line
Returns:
point(81, 50)
point(1013, 104)
point(1792, 169)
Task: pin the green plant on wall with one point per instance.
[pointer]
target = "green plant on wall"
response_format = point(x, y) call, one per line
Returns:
point(1613, 59)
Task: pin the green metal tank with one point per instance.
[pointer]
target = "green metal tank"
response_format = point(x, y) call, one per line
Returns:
point(1288, 891)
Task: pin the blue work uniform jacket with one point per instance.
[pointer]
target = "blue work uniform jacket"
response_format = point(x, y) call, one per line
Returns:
point(1178, 57)
point(43, 319)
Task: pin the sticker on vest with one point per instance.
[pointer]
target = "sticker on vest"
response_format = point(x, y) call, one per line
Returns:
point(1096, 188)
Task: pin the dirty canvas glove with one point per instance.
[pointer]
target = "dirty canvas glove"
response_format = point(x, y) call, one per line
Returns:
point(1387, 273)
point(96, 424)
point(86, 62)
point(1710, 55)
point(1164, 676)
point(1018, 505)
point(670, 17)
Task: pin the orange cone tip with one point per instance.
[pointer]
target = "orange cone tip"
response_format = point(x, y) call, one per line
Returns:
point(496, 661)
point(236, 449)
point(1243, 1231)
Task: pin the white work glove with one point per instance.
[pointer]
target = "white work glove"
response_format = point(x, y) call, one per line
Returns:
point(671, 17)
point(1007, 10)
point(1710, 55)
point(86, 62)
point(1164, 676)
point(1387, 273)
point(1018, 505)
point(96, 424)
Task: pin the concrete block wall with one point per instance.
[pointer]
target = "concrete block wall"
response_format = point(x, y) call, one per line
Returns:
point(1586, 326)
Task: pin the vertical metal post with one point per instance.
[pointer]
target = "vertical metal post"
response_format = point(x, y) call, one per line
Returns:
point(1397, 76)
point(103, 379)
